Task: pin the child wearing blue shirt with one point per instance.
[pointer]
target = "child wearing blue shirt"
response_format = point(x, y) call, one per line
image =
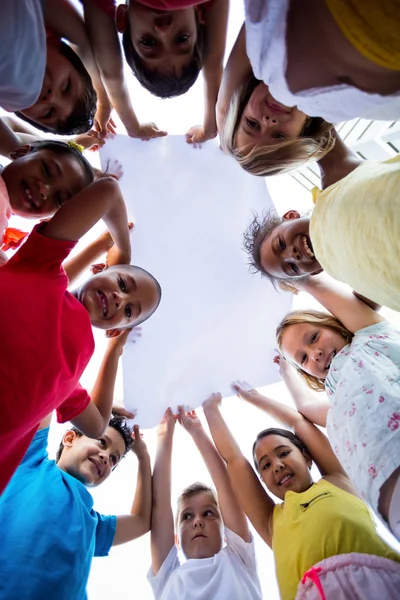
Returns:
point(49, 529)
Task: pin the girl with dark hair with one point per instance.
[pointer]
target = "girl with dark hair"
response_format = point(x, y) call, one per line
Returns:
point(322, 535)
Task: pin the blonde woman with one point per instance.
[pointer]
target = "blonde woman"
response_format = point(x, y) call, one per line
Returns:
point(264, 136)
point(354, 354)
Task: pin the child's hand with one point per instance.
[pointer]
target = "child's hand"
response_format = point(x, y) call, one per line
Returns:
point(90, 140)
point(117, 342)
point(114, 169)
point(198, 135)
point(148, 131)
point(139, 447)
point(103, 122)
point(120, 411)
point(284, 366)
point(189, 420)
point(167, 424)
point(244, 390)
point(211, 401)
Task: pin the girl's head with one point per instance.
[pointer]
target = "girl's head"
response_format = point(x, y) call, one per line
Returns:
point(43, 176)
point(283, 461)
point(280, 247)
point(310, 340)
point(268, 138)
point(199, 523)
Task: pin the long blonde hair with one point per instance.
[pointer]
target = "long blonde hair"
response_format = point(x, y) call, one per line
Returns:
point(314, 317)
point(314, 142)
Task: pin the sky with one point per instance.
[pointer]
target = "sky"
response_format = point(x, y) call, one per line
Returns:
point(123, 573)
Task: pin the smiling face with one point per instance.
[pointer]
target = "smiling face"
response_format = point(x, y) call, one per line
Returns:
point(265, 121)
point(62, 87)
point(164, 40)
point(288, 251)
point(282, 466)
point(91, 461)
point(119, 297)
point(312, 347)
point(39, 182)
point(200, 526)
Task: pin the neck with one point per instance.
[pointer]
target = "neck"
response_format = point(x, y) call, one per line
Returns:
point(338, 163)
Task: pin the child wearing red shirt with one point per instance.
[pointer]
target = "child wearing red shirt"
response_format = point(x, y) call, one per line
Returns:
point(46, 331)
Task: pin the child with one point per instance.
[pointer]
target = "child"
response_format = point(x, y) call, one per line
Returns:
point(50, 531)
point(211, 570)
point(355, 356)
point(42, 176)
point(166, 45)
point(47, 331)
point(323, 538)
point(263, 135)
point(353, 232)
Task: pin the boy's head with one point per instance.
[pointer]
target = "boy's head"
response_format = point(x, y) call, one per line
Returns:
point(43, 176)
point(280, 247)
point(67, 102)
point(163, 48)
point(91, 461)
point(120, 297)
point(200, 529)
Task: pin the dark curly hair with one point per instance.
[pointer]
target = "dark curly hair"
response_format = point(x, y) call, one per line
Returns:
point(158, 84)
point(64, 148)
point(81, 118)
point(296, 441)
point(117, 423)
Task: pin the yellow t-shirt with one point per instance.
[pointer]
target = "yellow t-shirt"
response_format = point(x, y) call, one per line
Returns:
point(372, 27)
point(321, 522)
point(355, 230)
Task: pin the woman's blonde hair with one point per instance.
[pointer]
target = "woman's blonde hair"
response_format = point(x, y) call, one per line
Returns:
point(314, 142)
point(314, 317)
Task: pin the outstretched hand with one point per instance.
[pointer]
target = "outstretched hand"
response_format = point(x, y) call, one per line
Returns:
point(119, 337)
point(139, 447)
point(244, 390)
point(197, 135)
point(189, 420)
point(211, 401)
point(121, 411)
point(148, 131)
point(167, 424)
point(284, 366)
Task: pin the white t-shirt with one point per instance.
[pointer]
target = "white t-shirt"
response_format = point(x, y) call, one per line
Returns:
point(22, 53)
point(229, 575)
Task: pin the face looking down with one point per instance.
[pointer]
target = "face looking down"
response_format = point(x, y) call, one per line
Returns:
point(288, 251)
point(265, 121)
point(200, 527)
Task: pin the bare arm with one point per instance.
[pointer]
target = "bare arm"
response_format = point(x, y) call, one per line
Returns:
point(100, 200)
point(162, 520)
point(255, 502)
point(75, 266)
point(316, 442)
point(341, 302)
point(95, 418)
point(236, 70)
point(137, 523)
point(232, 514)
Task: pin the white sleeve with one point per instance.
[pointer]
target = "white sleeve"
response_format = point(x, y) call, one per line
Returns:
point(159, 581)
point(245, 551)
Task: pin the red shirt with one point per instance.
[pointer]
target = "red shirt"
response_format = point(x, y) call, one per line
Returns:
point(108, 6)
point(46, 342)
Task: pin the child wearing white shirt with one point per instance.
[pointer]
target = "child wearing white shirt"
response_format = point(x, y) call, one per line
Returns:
point(211, 570)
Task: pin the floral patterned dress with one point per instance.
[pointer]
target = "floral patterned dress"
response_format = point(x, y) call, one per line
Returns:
point(363, 422)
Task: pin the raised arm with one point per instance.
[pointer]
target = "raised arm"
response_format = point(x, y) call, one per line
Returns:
point(317, 443)
point(236, 70)
point(232, 513)
point(137, 523)
point(96, 416)
point(162, 520)
point(340, 301)
point(313, 406)
point(255, 502)
point(100, 200)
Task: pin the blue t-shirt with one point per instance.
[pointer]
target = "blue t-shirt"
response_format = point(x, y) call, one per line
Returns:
point(49, 531)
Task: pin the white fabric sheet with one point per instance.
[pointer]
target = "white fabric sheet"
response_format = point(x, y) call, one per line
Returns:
point(216, 321)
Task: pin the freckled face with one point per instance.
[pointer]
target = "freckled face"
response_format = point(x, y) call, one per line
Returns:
point(119, 297)
point(288, 251)
point(164, 40)
point(267, 121)
point(312, 347)
point(282, 466)
point(200, 527)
